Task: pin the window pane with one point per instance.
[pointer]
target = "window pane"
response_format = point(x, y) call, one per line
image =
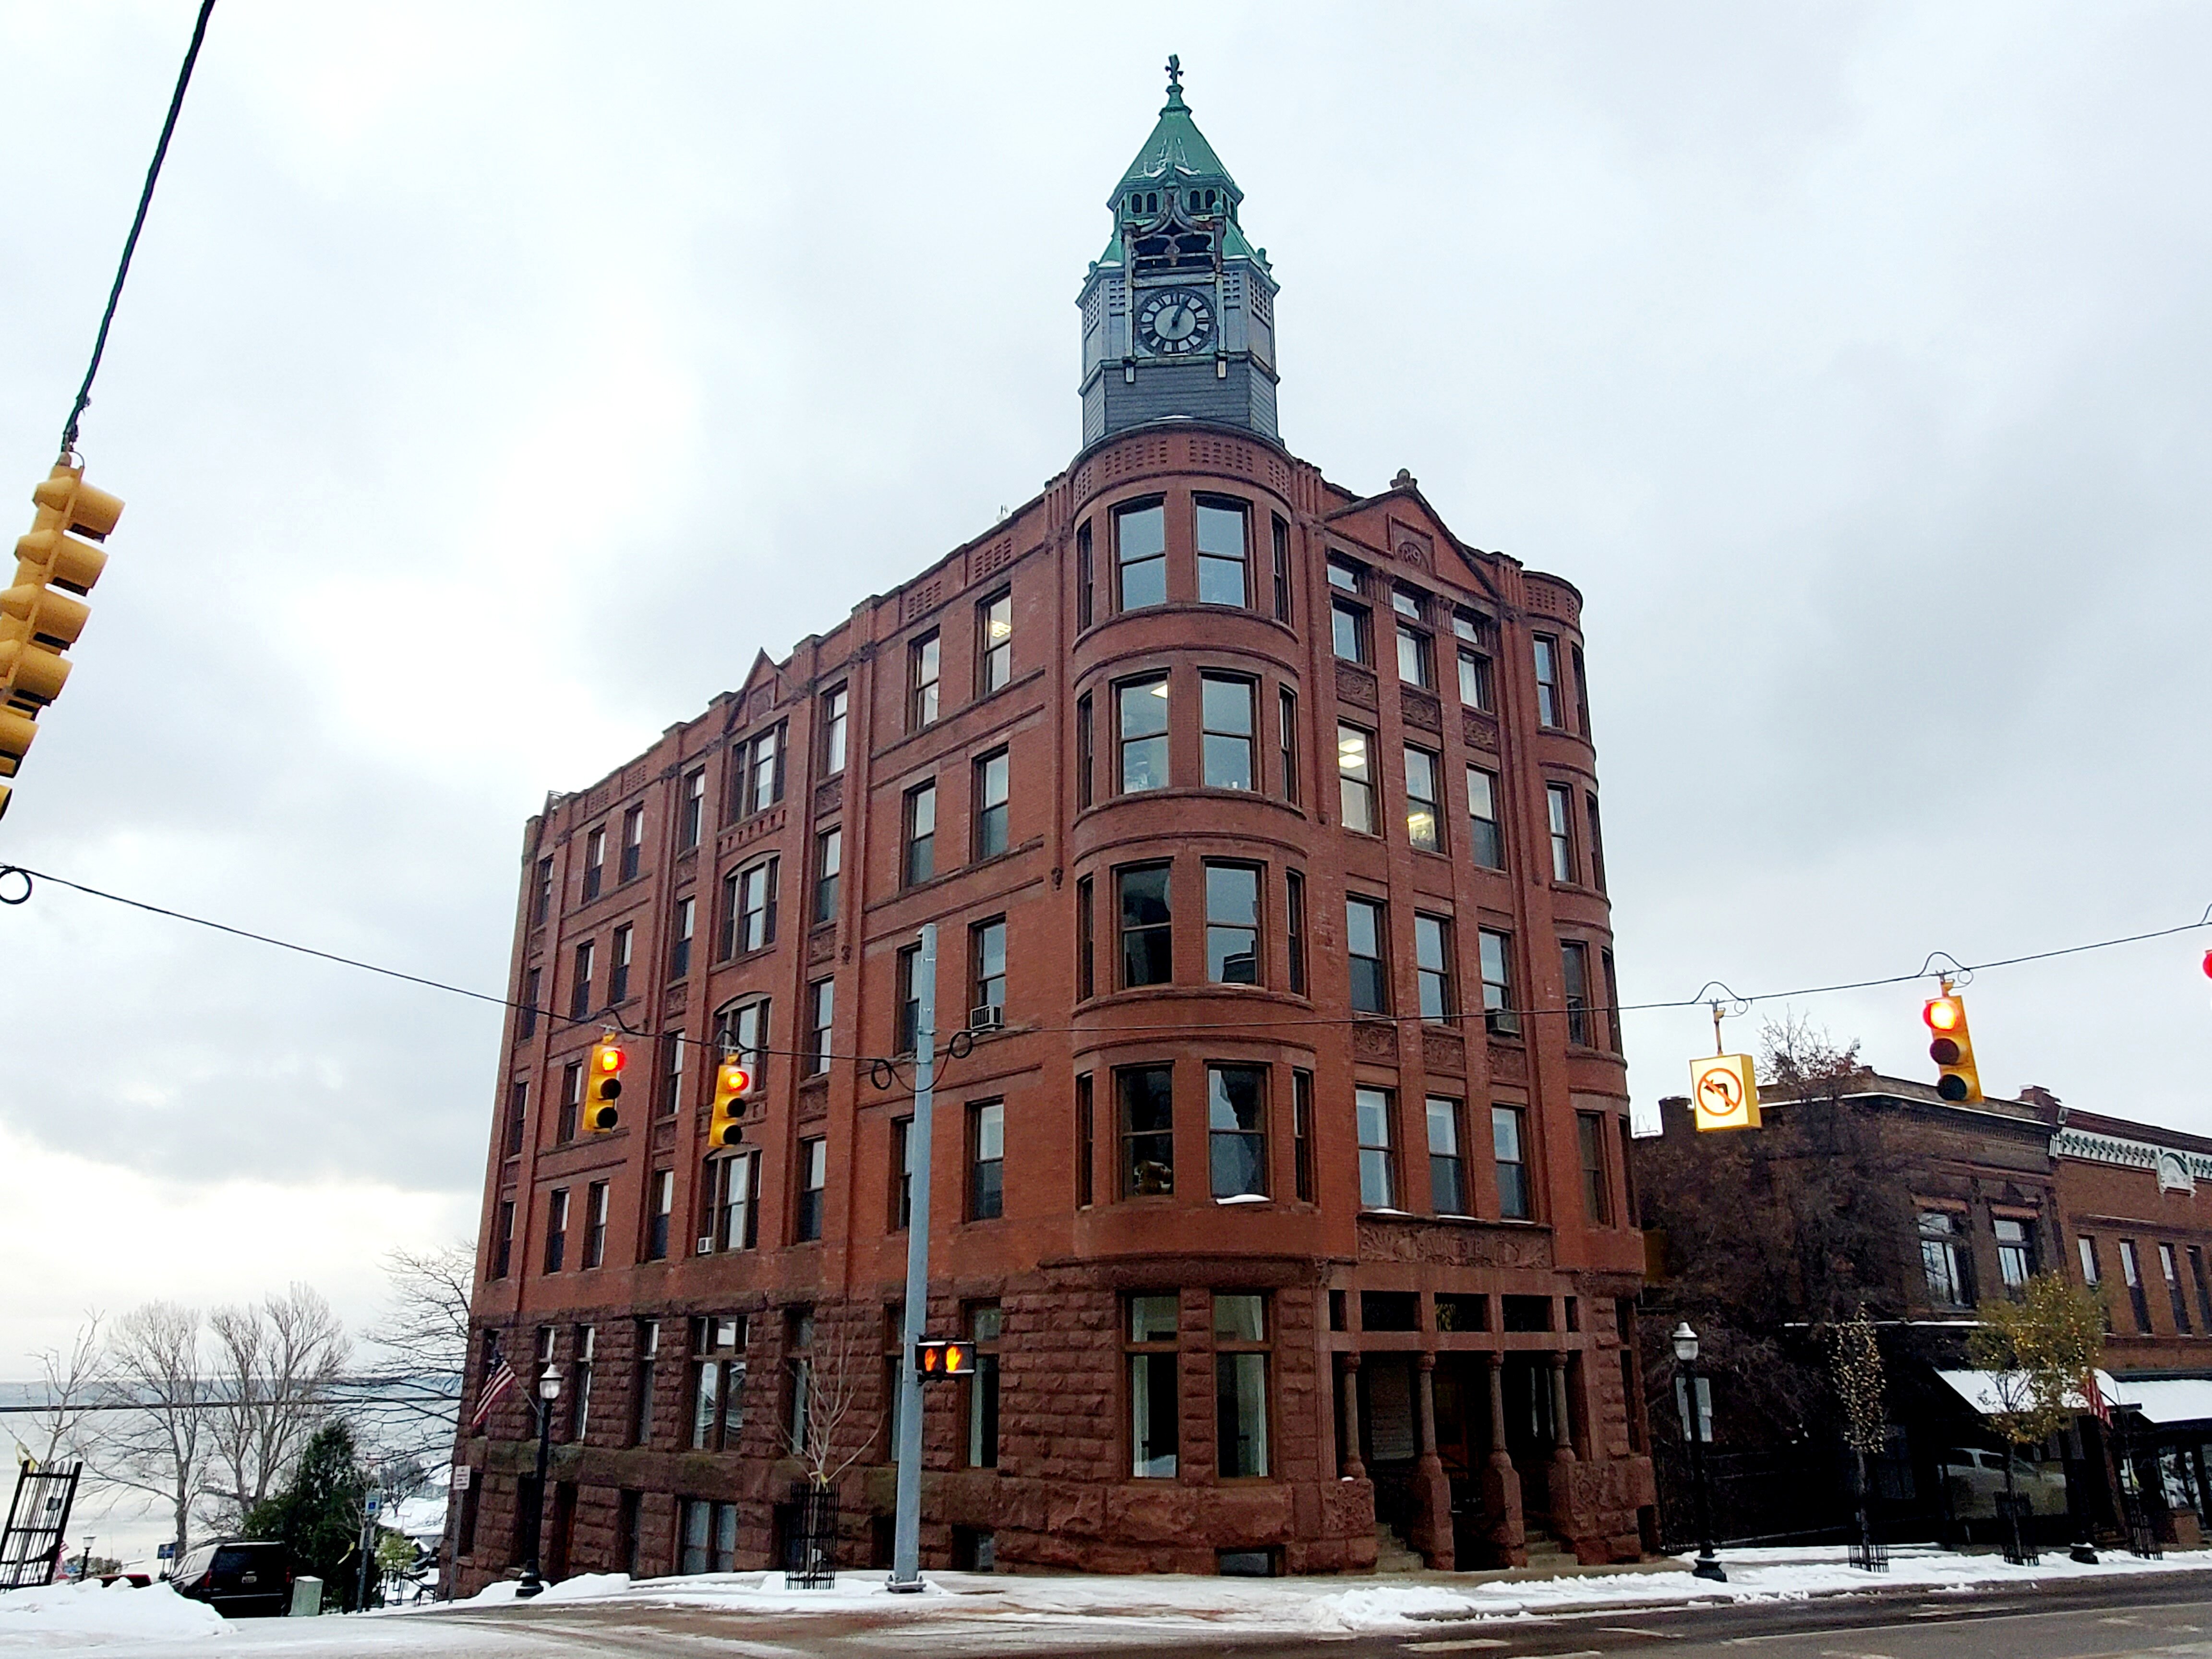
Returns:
point(1147, 1130)
point(1147, 935)
point(1225, 713)
point(1412, 657)
point(1355, 779)
point(1346, 632)
point(1221, 556)
point(1241, 1413)
point(1144, 711)
point(1154, 1318)
point(1154, 1410)
point(1371, 1107)
point(1489, 845)
point(1233, 924)
point(1142, 536)
point(1242, 1317)
point(1421, 827)
point(1236, 1124)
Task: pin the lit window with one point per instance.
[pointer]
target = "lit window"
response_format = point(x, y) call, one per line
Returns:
point(995, 625)
point(1355, 780)
point(1144, 735)
point(1424, 821)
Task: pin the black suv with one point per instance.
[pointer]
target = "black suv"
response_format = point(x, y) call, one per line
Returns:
point(240, 1578)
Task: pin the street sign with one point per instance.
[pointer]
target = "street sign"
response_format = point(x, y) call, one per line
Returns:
point(375, 1504)
point(462, 1472)
point(1724, 1092)
point(164, 1551)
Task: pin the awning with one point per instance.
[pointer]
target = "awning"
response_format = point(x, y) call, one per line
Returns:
point(2165, 1400)
point(1979, 1390)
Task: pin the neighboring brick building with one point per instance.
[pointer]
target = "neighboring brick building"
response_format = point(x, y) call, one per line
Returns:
point(1288, 1203)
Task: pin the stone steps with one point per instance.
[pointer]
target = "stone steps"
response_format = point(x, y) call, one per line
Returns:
point(1393, 1554)
point(1547, 1554)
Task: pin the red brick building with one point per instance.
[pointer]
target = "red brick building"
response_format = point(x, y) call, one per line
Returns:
point(1284, 1185)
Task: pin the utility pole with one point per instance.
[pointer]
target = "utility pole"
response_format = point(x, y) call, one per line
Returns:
point(906, 1546)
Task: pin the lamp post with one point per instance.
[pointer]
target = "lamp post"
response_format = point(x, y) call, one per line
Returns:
point(549, 1390)
point(1686, 1358)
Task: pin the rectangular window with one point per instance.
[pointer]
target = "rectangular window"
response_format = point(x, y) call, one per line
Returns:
point(1225, 718)
point(1233, 924)
point(1355, 780)
point(1597, 1188)
point(1083, 575)
point(1447, 1172)
point(1939, 1260)
point(922, 670)
point(1147, 1109)
point(557, 1229)
point(813, 1182)
point(1240, 1385)
point(1346, 577)
point(1416, 664)
point(718, 1384)
point(1236, 1126)
point(985, 1324)
point(1475, 680)
point(671, 1100)
point(1085, 762)
point(518, 1106)
point(902, 1174)
point(741, 1032)
point(821, 1017)
point(1547, 682)
point(1424, 821)
point(1302, 1149)
point(572, 1102)
point(995, 644)
point(1596, 845)
point(1378, 1177)
point(1085, 1142)
point(641, 1393)
point(1366, 942)
point(986, 964)
point(834, 705)
point(1286, 737)
point(691, 816)
point(1574, 977)
point(1282, 571)
point(541, 904)
point(756, 913)
point(619, 959)
point(1086, 973)
point(829, 863)
point(525, 1019)
point(1221, 554)
point(1147, 925)
point(1409, 603)
point(987, 1160)
point(1484, 835)
point(580, 989)
point(679, 944)
point(919, 863)
point(1581, 691)
point(2131, 1273)
point(2016, 1250)
point(762, 773)
point(1143, 707)
point(1433, 966)
point(1155, 1394)
point(661, 1206)
point(908, 991)
point(595, 1225)
point(1559, 803)
point(709, 1536)
point(583, 1349)
point(991, 788)
point(2203, 1286)
point(1140, 546)
point(502, 1261)
point(1294, 923)
point(633, 842)
point(1506, 1153)
point(595, 862)
point(1347, 627)
point(1499, 1016)
point(2090, 1275)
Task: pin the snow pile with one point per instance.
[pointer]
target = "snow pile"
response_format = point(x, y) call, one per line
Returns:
point(94, 1615)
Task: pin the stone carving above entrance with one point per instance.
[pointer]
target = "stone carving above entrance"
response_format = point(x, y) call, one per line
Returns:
point(1453, 1247)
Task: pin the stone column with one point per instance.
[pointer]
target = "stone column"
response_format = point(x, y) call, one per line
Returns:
point(1501, 1481)
point(1567, 1520)
point(1352, 1467)
point(1432, 1489)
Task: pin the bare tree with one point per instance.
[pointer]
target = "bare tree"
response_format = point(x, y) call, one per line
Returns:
point(422, 1342)
point(826, 1385)
point(275, 1366)
point(72, 1381)
point(161, 1449)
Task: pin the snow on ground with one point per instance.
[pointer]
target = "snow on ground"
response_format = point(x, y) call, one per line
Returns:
point(67, 1618)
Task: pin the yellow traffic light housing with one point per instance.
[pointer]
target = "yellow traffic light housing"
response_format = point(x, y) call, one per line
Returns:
point(1952, 1049)
point(732, 1084)
point(38, 619)
point(604, 1089)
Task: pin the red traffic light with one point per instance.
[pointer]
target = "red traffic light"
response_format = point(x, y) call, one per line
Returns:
point(2207, 964)
point(600, 1114)
point(734, 1080)
point(1943, 1014)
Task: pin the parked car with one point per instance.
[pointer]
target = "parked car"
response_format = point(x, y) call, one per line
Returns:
point(1976, 1479)
point(238, 1577)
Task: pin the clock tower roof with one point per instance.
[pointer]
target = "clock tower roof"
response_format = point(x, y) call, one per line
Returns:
point(1177, 150)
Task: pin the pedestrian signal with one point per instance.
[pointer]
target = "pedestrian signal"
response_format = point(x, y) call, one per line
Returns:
point(732, 1084)
point(1953, 1050)
point(937, 1358)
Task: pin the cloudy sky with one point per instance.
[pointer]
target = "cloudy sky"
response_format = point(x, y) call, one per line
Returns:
point(494, 382)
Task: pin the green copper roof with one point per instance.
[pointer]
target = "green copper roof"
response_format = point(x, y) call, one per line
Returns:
point(1176, 144)
point(1113, 255)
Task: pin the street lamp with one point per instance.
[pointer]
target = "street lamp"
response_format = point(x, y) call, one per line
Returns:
point(1686, 1358)
point(549, 1390)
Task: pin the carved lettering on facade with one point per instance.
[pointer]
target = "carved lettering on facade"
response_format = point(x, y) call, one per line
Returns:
point(1453, 1247)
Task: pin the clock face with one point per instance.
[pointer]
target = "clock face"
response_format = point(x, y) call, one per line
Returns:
point(1175, 321)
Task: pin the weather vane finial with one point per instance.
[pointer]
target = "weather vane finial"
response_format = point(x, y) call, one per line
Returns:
point(1174, 81)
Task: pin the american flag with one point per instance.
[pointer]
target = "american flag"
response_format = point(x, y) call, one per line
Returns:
point(2098, 1403)
point(502, 1379)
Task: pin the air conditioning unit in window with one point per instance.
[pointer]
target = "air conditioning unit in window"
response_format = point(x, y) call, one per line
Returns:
point(705, 1246)
point(989, 1017)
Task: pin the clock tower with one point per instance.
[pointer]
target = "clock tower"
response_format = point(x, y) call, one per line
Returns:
point(1179, 312)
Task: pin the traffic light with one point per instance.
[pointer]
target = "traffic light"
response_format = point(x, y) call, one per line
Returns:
point(1953, 1050)
point(604, 1088)
point(935, 1357)
point(732, 1081)
point(37, 623)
